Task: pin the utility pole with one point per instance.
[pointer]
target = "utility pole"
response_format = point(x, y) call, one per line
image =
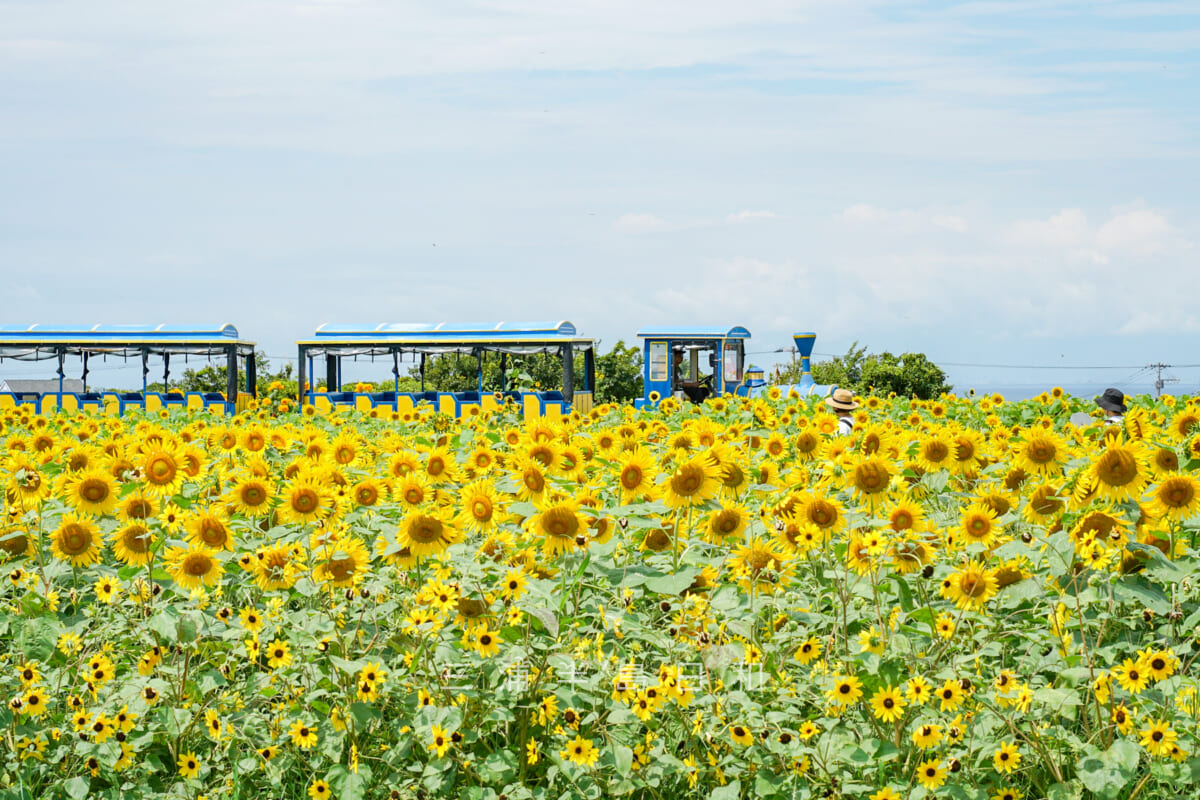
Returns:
point(1159, 380)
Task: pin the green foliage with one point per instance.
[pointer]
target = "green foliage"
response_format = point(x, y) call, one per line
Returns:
point(906, 375)
point(618, 374)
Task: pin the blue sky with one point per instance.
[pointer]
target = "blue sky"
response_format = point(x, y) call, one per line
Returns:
point(985, 182)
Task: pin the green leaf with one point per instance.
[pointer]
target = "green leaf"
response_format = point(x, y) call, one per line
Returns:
point(730, 791)
point(547, 618)
point(1123, 756)
point(1107, 774)
point(78, 788)
point(622, 759)
point(673, 583)
point(1064, 791)
point(349, 785)
point(1158, 564)
point(38, 637)
point(1137, 589)
point(364, 713)
point(499, 767)
point(347, 667)
point(164, 623)
point(767, 784)
point(524, 509)
point(964, 793)
point(1057, 699)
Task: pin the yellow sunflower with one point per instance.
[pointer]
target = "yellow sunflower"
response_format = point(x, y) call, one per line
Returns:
point(138, 506)
point(636, 471)
point(251, 496)
point(934, 452)
point(194, 567)
point(427, 533)
point(759, 565)
point(161, 473)
point(342, 563)
point(870, 479)
point(726, 523)
point(823, 513)
point(479, 507)
point(412, 489)
point(305, 500)
point(979, 526)
point(76, 541)
point(1120, 472)
point(560, 526)
point(971, 586)
point(440, 466)
point(905, 516)
point(89, 491)
point(26, 479)
point(133, 544)
point(1177, 497)
point(209, 528)
point(692, 483)
point(368, 492)
point(1041, 452)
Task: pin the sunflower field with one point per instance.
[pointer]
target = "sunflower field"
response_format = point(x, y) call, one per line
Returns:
point(966, 598)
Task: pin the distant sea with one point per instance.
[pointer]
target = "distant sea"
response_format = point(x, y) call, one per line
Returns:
point(1023, 391)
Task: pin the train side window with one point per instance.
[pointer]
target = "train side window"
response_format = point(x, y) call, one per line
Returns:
point(733, 362)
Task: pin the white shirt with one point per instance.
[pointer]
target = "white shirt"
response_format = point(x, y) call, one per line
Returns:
point(845, 426)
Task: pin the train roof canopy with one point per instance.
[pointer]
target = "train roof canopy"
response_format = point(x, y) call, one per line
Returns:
point(35, 342)
point(693, 332)
point(444, 337)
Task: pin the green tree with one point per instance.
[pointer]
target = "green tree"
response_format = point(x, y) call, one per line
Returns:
point(906, 375)
point(841, 371)
point(619, 374)
point(214, 377)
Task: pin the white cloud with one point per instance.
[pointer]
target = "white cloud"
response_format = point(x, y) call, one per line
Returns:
point(1140, 232)
point(1170, 321)
point(736, 291)
point(864, 212)
point(1068, 228)
point(1143, 231)
point(640, 223)
point(949, 222)
point(749, 216)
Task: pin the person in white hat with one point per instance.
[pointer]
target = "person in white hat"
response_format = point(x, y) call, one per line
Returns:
point(842, 402)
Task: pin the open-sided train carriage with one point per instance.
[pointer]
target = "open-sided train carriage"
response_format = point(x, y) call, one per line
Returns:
point(138, 342)
point(417, 342)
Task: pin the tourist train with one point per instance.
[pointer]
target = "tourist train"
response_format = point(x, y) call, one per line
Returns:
point(688, 363)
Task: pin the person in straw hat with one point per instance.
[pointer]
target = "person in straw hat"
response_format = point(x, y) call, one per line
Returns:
point(1113, 403)
point(842, 402)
